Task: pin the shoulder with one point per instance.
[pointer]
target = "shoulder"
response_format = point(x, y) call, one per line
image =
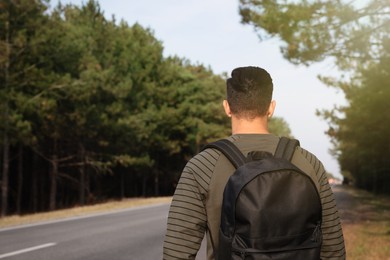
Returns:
point(305, 155)
point(206, 158)
point(311, 165)
point(311, 159)
point(200, 168)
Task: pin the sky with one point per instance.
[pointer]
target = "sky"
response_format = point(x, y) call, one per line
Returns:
point(209, 32)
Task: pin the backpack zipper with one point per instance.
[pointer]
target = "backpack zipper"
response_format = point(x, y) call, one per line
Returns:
point(314, 236)
point(239, 252)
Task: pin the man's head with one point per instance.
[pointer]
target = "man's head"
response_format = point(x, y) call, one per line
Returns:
point(249, 92)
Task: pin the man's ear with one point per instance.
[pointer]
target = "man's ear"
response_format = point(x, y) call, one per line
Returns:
point(227, 108)
point(271, 108)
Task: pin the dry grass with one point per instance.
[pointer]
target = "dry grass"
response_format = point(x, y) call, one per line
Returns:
point(80, 211)
point(367, 241)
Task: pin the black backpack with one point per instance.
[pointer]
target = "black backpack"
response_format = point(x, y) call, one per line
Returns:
point(271, 209)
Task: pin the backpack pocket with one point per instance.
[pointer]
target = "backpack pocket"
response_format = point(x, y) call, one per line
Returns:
point(301, 246)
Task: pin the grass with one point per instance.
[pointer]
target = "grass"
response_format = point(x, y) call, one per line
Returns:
point(16, 220)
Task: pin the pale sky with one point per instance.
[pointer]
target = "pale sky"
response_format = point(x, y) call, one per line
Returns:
point(209, 32)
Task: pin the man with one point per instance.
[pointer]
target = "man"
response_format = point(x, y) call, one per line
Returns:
point(196, 204)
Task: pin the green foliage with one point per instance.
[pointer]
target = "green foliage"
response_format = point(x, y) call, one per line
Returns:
point(356, 36)
point(96, 106)
point(19, 72)
point(314, 30)
point(360, 130)
point(97, 109)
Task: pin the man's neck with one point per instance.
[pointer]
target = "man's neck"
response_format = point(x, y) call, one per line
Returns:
point(259, 125)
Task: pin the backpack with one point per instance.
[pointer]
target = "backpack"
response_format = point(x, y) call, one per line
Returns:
point(270, 209)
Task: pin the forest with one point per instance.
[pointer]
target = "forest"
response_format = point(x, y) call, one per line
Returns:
point(92, 111)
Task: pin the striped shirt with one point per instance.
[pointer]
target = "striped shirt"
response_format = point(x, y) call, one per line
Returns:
point(196, 204)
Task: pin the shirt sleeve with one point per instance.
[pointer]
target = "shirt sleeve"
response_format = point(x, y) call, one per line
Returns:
point(187, 217)
point(333, 247)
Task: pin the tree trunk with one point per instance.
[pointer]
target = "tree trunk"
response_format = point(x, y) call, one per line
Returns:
point(122, 185)
point(20, 181)
point(4, 182)
point(53, 178)
point(34, 184)
point(82, 186)
point(156, 184)
point(143, 185)
point(53, 183)
point(82, 176)
point(87, 186)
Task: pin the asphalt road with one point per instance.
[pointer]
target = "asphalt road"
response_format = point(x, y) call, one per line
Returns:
point(136, 233)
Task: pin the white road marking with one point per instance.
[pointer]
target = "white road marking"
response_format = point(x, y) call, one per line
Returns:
point(22, 251)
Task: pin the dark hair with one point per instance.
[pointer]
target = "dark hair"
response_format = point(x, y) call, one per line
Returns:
point(249, 92)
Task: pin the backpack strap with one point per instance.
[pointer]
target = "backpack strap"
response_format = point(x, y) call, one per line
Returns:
point(230, 150)
point(286, 148)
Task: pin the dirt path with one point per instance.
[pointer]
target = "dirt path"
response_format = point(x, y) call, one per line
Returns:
point(365, 220)
point(356, 206)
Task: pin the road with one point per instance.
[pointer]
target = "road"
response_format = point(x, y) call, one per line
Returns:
point(129, 234)
point(135, 233)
